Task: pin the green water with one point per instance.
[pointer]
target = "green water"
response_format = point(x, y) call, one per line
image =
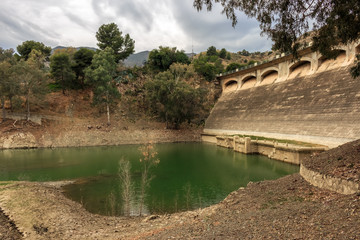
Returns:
point(189, 176)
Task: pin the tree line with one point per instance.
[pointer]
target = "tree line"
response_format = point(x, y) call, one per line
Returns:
point(170, 92)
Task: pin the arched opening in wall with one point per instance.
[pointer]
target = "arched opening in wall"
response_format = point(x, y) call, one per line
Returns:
point(230, 86)
point(327, 64)
point(248, 82)
point(357, 49)
point(269, 77)
point(300, 69)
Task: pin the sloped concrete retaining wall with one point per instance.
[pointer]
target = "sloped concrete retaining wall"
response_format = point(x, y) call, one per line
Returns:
point(338, 185)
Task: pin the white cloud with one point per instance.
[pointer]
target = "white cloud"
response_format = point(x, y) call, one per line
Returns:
point(150, 23)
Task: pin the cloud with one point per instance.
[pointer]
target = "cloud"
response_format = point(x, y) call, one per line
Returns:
point(214, 29)
point(171, 23)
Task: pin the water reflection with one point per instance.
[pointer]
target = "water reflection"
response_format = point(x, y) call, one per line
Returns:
point(189, 176)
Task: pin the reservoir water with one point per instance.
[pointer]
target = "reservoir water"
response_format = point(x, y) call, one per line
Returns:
point(189, 175)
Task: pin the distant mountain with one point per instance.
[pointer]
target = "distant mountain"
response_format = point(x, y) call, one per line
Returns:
point(62, 47)
point(137, 59)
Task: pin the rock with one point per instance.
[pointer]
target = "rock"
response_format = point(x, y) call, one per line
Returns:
point(19, 140)
point(150, 218)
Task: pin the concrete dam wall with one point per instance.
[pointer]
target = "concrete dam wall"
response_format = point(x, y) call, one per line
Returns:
point(318, 105)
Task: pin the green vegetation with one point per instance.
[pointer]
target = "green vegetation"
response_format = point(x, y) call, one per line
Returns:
point(355, 71)
point(234, 66)
point(100, 76)
point(172, 98)
point(109, 36)
point(168, 78)
point(208, 66)
point(223, 53)
point(61, 70)
point(82, 60)
point(22, 79)
point(288, 23)
point(32, 82)
point(211, 51)
point(5, 84)
point(162, 58)
point(26, 48)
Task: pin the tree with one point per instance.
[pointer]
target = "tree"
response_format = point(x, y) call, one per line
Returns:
point(174, 100)
point(8, 87)
point(7, 55)
point(61, 71)
point(244, 52)
point(100, 76)
point(233, 66)
point(110, 36)
point(33, 84)
point(162, 58)
point(208, 70)
point(211, 51)
point(4, 82)
point(68, 50)
point(223, 53)
point(332, 22)
point(228, 56)
point(82, 60)
point(124, 173)
point(355, 71)
point(182, 71)
point(148, 161)
point(26, 47)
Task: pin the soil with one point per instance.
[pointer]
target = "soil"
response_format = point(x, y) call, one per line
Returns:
point(8, 229)
point(341, 162)
point(287, 208)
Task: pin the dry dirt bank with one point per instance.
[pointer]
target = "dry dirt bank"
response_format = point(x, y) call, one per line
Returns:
point(82, 132)
point(287, 208)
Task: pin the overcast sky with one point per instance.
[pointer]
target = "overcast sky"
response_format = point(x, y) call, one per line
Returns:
point(174, 23)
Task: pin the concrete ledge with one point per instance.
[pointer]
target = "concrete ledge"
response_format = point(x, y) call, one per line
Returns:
point(331, 142)
point(328, 182)
point(285, 152)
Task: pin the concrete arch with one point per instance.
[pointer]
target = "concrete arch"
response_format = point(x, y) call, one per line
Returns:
point(248, 81)
point(266, 71)
point(357, 49)
point(269, 75)
point(327, 64)
point(247, 77)
point(344, 48)
point(230, 85)
point(301, 68)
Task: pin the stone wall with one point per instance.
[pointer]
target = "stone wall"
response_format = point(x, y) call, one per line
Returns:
point(329, 182)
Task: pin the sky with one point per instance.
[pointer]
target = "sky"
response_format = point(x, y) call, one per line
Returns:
point(173, 23)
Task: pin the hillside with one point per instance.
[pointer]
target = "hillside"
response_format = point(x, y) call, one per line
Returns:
point(77, 48)
point(137, 59)
point(241, 57)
